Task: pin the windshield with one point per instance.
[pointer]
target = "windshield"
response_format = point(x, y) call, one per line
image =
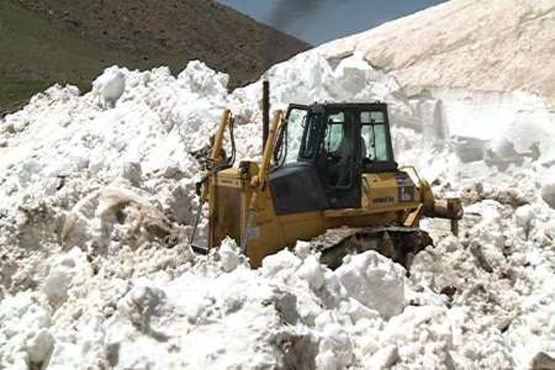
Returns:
point(352, 134)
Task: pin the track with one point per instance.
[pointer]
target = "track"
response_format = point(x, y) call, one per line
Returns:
point(398, 243)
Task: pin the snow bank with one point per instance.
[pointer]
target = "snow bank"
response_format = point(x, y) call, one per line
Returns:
point(97, 198)
point(497, 45)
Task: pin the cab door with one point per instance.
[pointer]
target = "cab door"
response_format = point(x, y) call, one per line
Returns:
point(340, 161)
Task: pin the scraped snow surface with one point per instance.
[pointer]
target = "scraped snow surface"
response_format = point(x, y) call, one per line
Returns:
point(97, 198)
point(493, 45)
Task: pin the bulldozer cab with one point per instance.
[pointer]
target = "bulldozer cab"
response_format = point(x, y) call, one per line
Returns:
point(320, 156)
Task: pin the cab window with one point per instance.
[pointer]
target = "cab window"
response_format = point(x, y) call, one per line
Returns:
point(295, 124)
point(375, 136)
point(311, 137)
point(334, 131)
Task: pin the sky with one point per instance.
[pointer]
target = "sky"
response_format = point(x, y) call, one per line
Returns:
point(318, 21)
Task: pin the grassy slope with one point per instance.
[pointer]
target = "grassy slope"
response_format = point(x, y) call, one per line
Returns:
point(35, 55)
point(75, 40)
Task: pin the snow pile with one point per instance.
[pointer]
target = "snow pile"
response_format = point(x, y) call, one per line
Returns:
point(194, 320)
point(97, 198)
point(497, 279)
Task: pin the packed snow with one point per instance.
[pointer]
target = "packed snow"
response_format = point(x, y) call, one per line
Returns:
point(97, 199)
point(493, 45)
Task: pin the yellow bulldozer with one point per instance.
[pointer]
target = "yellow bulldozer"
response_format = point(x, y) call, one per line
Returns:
point(327, 175)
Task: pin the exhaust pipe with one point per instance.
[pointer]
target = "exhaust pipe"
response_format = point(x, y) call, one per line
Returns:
point(265, 112)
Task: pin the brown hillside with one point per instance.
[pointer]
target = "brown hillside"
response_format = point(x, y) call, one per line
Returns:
point(73, 40)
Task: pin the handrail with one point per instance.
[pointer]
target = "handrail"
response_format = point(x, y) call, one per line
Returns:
point(277, 121)
point(215, 156)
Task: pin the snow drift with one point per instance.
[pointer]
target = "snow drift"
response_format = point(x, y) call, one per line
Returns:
point(488, 46)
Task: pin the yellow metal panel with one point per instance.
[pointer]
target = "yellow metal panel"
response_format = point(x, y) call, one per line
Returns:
point(229, 182)
point(381, 192)
point(266, 232)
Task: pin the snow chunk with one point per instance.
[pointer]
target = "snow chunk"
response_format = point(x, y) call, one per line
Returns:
point(302, 249)
point(313, 272)
point(281, 261)
point(229, 255)
point(109, 86)
point(200, 79)
point(375, 281)
point(24, 331)
point(385, 358)
point(422, 336)
point(336, 348)
point(67, 270)
point(40, 346)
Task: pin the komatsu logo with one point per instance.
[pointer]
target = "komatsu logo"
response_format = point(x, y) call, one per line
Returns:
point(387, 199)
